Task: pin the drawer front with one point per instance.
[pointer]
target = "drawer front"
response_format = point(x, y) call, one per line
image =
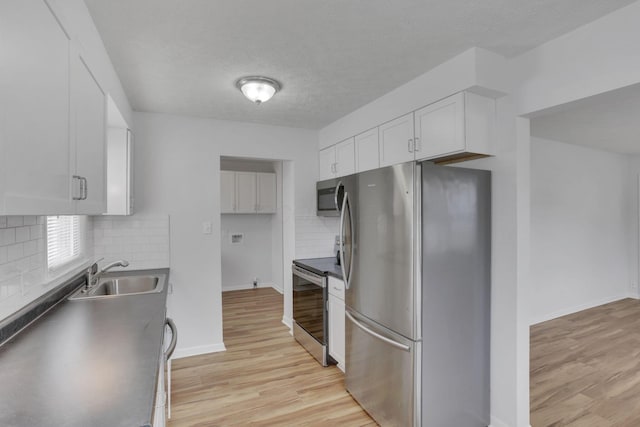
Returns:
point(336, 287)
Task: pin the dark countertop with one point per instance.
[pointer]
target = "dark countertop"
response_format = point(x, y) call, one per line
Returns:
point(326, 266)
point(90, 362)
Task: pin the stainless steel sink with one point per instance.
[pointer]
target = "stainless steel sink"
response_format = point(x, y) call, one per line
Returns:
point(119, 286)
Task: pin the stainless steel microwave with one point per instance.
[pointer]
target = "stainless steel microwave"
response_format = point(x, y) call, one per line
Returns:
point(329, 196)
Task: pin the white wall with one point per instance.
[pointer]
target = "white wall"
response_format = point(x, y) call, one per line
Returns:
point(251, 258)
point(598, 57)
point(579, 228)
point(177, 163)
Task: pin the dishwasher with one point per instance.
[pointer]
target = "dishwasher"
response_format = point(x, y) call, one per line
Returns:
point(162, 410)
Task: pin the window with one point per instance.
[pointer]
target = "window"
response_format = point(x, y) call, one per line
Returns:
point(63, 240)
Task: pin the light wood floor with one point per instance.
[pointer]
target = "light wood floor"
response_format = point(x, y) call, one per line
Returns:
point(263, 379)
point(585, 368)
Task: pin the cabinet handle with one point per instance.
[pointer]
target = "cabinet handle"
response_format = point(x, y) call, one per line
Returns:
point(417, 146)
point(410, 145)
point(335, 288)
point(85, 187)
point(79, 178)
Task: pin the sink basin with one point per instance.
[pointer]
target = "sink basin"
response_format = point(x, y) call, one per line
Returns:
point(125, 285)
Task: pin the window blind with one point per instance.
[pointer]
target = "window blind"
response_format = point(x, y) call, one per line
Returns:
point(63, 240)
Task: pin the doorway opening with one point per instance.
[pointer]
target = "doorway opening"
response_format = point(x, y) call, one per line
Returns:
point(583, 301)
point(257, 229)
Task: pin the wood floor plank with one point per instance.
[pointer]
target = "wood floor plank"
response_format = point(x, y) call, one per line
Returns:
point(585, 368)
point(263, 379)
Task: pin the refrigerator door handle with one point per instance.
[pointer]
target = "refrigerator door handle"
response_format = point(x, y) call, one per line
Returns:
point(377, 335)
point(335, 195)
point(346, 274)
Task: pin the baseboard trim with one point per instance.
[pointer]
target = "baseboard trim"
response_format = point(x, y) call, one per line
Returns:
point(246, 286)
point(577, 308)
point(287, 321)
point(496, 422)
point(197, 350)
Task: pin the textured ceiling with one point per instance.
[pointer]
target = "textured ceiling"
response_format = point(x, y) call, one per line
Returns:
point(332, 56)
point(610, 121)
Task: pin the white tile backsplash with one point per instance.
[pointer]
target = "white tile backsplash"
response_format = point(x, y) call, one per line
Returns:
point(19, 252)
point(315, 236)
point(23, 260)
point(141, 239)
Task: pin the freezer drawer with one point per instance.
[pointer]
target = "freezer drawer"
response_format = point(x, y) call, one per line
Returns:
point(380, 371)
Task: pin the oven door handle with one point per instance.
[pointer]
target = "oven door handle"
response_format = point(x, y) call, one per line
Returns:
point(313, 278)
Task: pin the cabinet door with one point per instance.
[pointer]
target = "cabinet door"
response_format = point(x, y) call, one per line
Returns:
point(345, 158)
point(396, 141)
point(336, 330)
point(266, 193)
point(439, 128)
point(118, 177)
point(246, 192)
point(34, 110)
point(327, 160)
point(89, 109)
point(227, 192)
point(367, 151)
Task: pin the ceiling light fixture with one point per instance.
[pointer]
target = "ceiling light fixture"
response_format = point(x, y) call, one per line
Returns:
point(258, 89)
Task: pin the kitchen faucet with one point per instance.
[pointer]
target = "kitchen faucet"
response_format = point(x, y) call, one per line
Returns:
point(93, 274)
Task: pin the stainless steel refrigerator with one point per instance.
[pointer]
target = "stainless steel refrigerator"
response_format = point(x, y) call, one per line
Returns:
point(416, 262)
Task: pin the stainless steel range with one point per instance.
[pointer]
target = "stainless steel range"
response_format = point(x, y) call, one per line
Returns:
point(310, 313)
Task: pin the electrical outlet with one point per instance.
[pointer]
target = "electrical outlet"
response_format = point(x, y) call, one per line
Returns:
point(207, 227)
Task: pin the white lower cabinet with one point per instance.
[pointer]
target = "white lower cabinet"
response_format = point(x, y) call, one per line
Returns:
point(336, 321)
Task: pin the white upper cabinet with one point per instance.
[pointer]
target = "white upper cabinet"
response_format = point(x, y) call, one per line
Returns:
point(52, 117)
point(247, 192)
point(266, 183)
point(337, 160)
point(367, 150)
point(396, 141)
point(89, 109)
point(345, 158)
point(119, 176)
point(327, 163)
point(457, 128)
point(34, 111)
point(227, 191)
point(461, 124)
point(439, 127)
